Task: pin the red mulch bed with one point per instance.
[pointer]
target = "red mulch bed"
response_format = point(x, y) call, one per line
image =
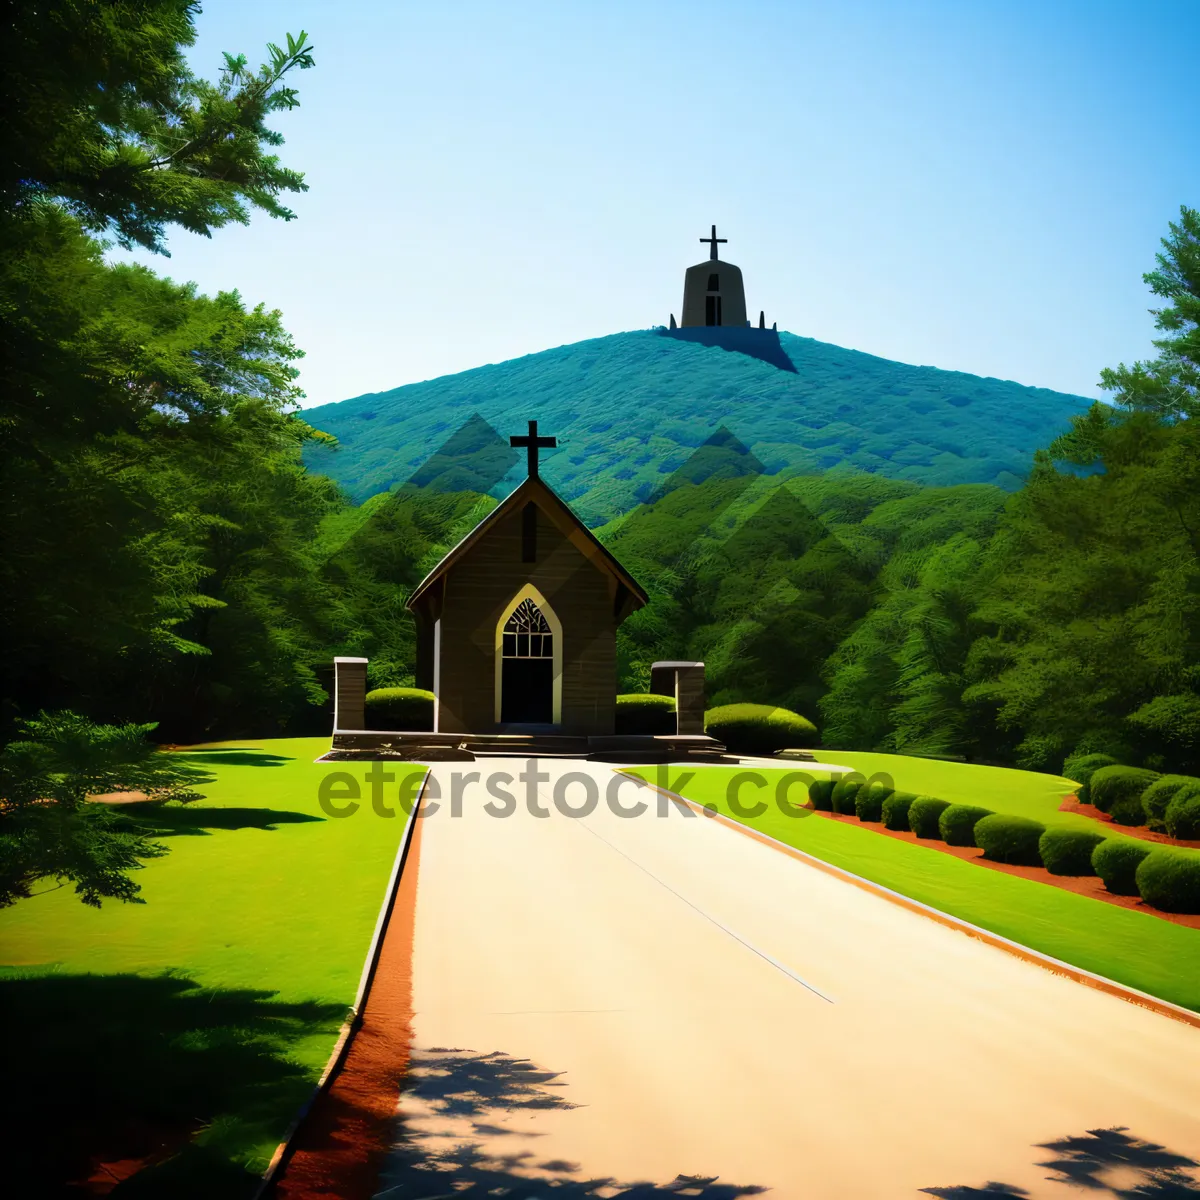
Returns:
point(1081, 885)
point(341, 1144)
point(1071, 804)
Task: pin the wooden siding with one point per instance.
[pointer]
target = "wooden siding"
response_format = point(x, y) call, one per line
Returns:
point(479, 587)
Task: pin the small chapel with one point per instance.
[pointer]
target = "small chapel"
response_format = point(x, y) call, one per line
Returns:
point(516, 626)
point(516, 638)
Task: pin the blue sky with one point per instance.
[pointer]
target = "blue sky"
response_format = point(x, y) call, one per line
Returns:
point(972, 185)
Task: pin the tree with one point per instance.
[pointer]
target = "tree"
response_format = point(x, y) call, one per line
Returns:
point(1170, 384)
point(50, 829)
point(103, 116)
point(1093, 611)
point(153, 494)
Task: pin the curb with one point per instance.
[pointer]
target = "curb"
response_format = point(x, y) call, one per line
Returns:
point(353, 1022)
point(1120, 990)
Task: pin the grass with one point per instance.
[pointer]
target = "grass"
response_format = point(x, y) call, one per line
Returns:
point(1134, 948)
point(203, 1017)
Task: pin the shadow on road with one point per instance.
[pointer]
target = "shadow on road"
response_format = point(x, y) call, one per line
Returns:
point(1105, 1162)
point(462, 1101)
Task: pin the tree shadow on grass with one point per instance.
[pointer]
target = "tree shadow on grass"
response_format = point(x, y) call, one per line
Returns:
point(458, 1104)
point(158, 820)
point(235, 757)
point(1106, 1162)
point(149, 1086)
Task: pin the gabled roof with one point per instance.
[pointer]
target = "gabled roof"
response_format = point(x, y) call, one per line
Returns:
point(559, 512)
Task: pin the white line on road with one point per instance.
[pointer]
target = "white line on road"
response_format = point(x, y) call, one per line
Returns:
point(737, 937)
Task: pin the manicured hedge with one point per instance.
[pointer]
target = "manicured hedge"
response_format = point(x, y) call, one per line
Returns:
point(1128, 810)
point(957, 823)
point(400, 708)
point(1068, 851)
point(1116, 861)
point(845, 796)
point(1111, 784)
point(645, 713)
point(1081, 768)
point(851, 782)
point(868, 803)
point(1170, 880)
point(923, 815)
point(820, 792)
point(1159, 795)
point(895, 810)
point(1008, 839)
point(1183, 815)
point(759, 728)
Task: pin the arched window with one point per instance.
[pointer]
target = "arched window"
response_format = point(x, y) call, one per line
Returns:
point(527, 633)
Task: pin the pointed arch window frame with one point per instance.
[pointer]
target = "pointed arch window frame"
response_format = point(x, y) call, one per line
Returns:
point(529, 592)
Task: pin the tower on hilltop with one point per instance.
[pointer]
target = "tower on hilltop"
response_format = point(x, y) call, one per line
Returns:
point(713, 293)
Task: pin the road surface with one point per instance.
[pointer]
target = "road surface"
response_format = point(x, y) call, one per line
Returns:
point(603, 1001)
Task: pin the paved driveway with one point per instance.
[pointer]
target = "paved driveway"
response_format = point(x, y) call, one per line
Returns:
point(660, 999)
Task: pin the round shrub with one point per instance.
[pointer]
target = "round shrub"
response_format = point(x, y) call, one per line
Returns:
point(1112, 784)
point(645, 713)
point(1081, 768)
point(1128, 810)
point(923, 816)
point(895, 810)
point(956, 825)
point(868, 802)
point(1170, 880)
point(1159, 795)
point(1116, 862)
point(399, 709)
point(852, 780)
point(820, 792)
point(845, 796)
point(1069, 851)
point(1007, 839)
point(759, 728)
point(1183, 816)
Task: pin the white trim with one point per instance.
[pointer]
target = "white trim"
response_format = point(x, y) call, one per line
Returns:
point(437, 671)
point(529, 592)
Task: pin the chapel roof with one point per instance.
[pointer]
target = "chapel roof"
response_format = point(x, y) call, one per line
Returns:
point(536, 489)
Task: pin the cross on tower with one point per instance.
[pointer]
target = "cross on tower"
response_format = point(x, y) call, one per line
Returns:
point(713, 243)
point(533, 444)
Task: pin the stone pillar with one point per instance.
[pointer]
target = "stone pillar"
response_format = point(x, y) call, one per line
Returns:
point(689, 699)
point(684, 681)
point(349, 693)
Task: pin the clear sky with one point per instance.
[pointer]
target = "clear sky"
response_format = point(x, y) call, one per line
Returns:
point(970, 184)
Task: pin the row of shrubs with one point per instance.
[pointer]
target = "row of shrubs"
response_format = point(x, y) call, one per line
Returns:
point(1164, 878)
point(1137, 796)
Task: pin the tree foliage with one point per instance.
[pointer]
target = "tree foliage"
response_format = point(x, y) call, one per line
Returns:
point(104, 117)
point(50, 829)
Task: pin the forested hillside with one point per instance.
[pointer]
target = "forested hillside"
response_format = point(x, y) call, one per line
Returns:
point(851, 540)
point(629, 409)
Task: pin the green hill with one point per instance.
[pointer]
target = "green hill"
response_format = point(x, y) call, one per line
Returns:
point(630, 408)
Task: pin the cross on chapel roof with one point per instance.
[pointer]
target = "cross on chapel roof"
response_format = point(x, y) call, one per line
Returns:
point(533, 444)
point(712, 241)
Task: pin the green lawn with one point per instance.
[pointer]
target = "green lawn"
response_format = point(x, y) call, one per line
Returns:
point(216, 1003)
point(1131, 947)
